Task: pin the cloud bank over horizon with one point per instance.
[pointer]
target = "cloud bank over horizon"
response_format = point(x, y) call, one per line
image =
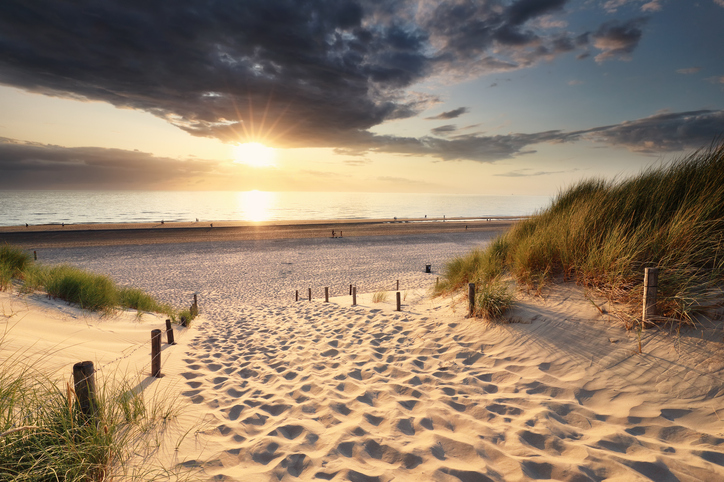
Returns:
point(26, 164)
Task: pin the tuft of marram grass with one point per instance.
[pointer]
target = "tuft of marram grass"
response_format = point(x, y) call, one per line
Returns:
point(493, 300)
point(44, 436)
point(379, 297)
point(603, 234)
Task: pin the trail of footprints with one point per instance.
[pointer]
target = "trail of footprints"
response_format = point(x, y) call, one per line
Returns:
point(363, 395)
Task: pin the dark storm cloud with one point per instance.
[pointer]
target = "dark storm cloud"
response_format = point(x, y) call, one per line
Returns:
point(451, 114)
point(285, 72)
point(25, 164)
point(665, 132)
point(618, 40)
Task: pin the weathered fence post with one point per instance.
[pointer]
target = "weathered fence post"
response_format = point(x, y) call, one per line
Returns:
point(296, 295)
point(156, 353)
point(310, 294)
point(350, 290)
point(398, 302)
point(84, 384)
point(326, 294)
point(651, 283)
point(471, 299)
point(398, 285)
point(194, 308)
point(169, 333)
point(354, 296)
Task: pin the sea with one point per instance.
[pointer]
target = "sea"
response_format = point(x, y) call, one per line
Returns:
point(81, 207)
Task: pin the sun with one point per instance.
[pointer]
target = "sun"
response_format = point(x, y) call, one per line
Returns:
point(254, 154)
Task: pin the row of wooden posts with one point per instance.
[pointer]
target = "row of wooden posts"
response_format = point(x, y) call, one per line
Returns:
point(84, 373)
point(352, 292)
point(84, 380)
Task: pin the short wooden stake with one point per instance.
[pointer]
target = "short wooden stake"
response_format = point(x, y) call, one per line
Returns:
point(354, 296)
point(296, 295)
point(350, 290)
point(310, 294)
point(35, 255)
point(398, 302)
point(84, 384)
point(169, 333)
point(398, 285)
point(194, 308)
point(326, 294)
point(156, 353)
point(471, 299)
point(651, 283)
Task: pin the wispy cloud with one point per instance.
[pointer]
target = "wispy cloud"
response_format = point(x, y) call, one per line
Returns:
point(689, 70)
point(528, 172)
point(451, 114)
point(444, 130)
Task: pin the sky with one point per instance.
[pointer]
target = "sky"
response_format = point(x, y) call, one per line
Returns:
point(491, 97)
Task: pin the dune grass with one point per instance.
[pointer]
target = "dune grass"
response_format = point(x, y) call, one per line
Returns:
point(89, 291)
point(45, 437)
point(602, 234)
point(379, 296)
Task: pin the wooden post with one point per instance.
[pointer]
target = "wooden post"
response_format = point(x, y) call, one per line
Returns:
point(471, 299)
point(398, 302)
point(156, 353)
point(651, 283)
point(310, 294)
point(350, 290)
point(84, 384)
point(169, 332)
point(194, 308)
point(296, 295)
point(354, 296)
point(326, 294)
point(35, 255)
point(398, 285)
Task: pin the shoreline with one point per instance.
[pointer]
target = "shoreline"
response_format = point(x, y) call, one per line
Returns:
point(119, 234)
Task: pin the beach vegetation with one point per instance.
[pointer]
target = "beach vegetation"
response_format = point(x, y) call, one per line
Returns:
point(13, 262)
point(45, 436)
point(90, 291)
point(379, 296)
point(493, 300)
point(602, 234)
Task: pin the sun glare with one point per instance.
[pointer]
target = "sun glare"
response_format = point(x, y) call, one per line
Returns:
point(255, 205)
point(254, 154)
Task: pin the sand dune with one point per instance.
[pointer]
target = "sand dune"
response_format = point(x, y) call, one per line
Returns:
point(273, 389)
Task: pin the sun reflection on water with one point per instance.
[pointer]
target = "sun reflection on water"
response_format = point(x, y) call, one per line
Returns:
point(255, 205)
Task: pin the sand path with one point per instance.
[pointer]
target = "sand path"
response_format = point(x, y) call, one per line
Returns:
point(327, 391)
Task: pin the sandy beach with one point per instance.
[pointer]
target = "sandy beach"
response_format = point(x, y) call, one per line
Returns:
point(278, 389)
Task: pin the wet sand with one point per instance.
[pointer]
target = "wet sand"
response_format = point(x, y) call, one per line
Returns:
point(79, 235)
